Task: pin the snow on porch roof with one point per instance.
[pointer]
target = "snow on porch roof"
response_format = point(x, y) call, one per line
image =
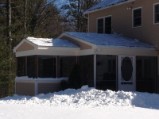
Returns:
point(109, 40)
point(105, 4)
point(50, 42)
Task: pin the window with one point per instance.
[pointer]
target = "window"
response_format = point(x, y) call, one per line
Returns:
point(104, 25)
point(156, 13)
point(31, 67)
point(47, 67)
point(21, 66)
point(146, 73)
point(108, 25)
point(137, 17)
point(100, 25)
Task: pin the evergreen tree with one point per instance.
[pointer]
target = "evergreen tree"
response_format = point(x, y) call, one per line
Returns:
point(42, 20)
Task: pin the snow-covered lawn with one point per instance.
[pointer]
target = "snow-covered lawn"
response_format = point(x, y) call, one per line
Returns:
point(82, 104)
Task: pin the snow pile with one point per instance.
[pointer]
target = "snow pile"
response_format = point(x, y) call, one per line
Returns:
point(51, 42)
point(109, 39)
point(88, 97)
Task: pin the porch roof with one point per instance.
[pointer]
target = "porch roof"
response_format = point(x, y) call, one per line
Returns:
point(105, 4)
point(50, 42)
point(109, 40)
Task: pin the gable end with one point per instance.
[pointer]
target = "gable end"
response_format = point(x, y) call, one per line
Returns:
point(24, 47)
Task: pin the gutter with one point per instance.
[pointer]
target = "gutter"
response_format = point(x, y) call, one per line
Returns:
point(108, 7)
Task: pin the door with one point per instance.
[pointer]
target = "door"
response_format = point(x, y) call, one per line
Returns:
point(126, 73)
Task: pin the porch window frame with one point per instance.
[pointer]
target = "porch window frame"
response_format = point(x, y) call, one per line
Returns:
point(133, 20)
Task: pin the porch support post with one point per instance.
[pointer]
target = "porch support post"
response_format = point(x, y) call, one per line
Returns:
point(56, 66)
point(95, 59)
point(37, 66)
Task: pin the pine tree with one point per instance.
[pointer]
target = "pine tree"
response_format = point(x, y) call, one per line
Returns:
point(42, 20)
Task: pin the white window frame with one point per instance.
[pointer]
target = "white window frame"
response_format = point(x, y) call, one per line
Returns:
point(103, 21)
point(154, 13)
point(133, 17)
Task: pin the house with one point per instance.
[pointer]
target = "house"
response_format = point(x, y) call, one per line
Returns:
point(119, 51)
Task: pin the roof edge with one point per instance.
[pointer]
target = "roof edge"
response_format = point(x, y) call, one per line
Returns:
point(21, 42)
point(88, 12)
point(77, 39)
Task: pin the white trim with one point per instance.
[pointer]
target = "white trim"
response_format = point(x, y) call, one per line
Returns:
point(88, 23)
point(39, 80)
point(95, 60)
point(126, 51)
point(86, 52)
point(133, 17)
point(50, 51)
point(154, 13)
point(105, 50)
point(88, 12)
point(56, 66)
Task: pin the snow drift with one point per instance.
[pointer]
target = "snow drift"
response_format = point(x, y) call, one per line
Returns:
point(88, 97)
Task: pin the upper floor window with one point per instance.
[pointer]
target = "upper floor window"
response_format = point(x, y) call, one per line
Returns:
point(108, 28)
point(137, 17)
point(156, 13)
point(100, 25)
point(104, 25)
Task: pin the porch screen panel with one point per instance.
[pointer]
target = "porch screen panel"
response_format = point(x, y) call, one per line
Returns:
point(66, 65)
point(46, 67)
point(87, 70)
point(106, 72)
point(21, 66)
point(146, 74)
point(31, 66)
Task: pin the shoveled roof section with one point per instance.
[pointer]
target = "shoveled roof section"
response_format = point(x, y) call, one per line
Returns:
point(106, 3)
point(108, 40)
point(51, 42)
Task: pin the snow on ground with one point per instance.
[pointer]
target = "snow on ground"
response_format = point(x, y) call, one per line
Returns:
point(82, 104)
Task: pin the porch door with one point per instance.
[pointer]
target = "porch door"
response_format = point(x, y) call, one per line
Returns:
point(126, 73)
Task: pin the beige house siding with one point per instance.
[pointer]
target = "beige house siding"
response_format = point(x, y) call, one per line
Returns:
point(122, 21)
point(24, 88)
point(25, 47)
point(48, 87)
